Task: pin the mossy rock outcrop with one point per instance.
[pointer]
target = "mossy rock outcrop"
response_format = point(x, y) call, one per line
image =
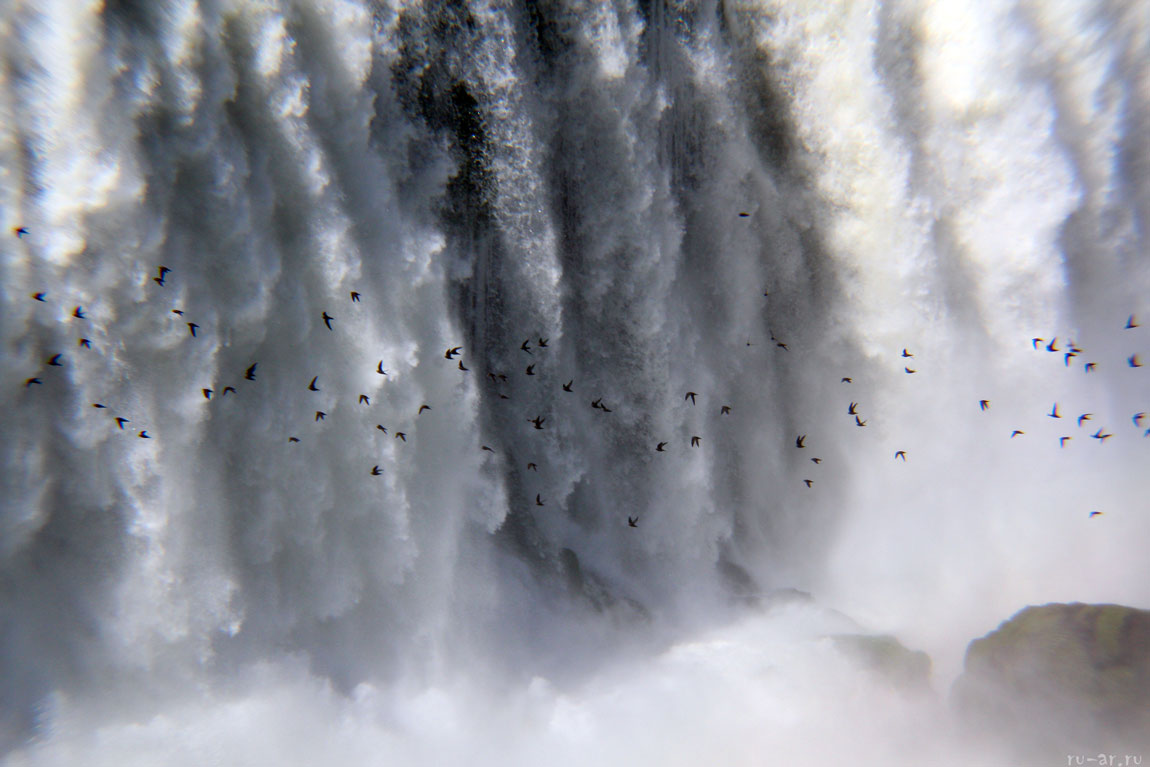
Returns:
point(1061, 678)
point(888, 658)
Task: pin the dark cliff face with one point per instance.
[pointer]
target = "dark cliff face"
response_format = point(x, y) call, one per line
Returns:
point(1062, 679)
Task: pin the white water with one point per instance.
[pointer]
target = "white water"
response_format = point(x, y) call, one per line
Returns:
point(917, 175)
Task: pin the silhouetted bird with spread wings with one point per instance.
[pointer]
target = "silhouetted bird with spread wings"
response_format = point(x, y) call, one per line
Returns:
point(327, 318)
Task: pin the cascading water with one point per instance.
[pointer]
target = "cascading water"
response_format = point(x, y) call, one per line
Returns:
point(751, 200)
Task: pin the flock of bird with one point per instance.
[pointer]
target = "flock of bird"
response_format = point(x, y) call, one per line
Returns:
point(1069, 350)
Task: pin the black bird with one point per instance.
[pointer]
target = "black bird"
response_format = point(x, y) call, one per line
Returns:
point(162, 272)
point(725, 410)
point(121, 421)
point(853, 409)
point(179, 312)
point(606, 409)
point(379, 369)
point(250, 373)
point(144, 434)
point(782, 346)
point(327, 320)
point(901, 454)
point(905, 353)
point(530, 370)
point(159, 281)
point(462, 367)
point(293, 439)
point(567, 386)
point(311, 386)
point(799, 440)
point(354, 297)
point(816, 461)
point(1132, 323)
point(659, 447)
point(1063, 440)
point(858, 422)
point(32, 381)
point(984, 403)
point(320, 415)
point(533, 467)
point(597, 403)
point(227, 389)
point(1084, 417)
point(1016, 432)
point(808, 482)
point(85, 343)
point(1052, 346)
point(526, 345)
point(908, 370)
point(99, 406)
point(20, 231)
point(375, 471)
point(1067, 357)
point(744, 215)
point(39, 296)
point(1138, 419)
point(1095, 513)
point(502, 377)
point(192, 327)
point(1089, 366)
point(450, 353)
point(423, 407)
point(207, 393)
point(538, 500)
point(1098, 435)
point(847, 380)
point(78, 313)
point(1054, 411)
point(381, 427)
point(695, 441)
point(633, 521)
point(543, 343)
point(401, 435)
point(690, 396)
point(364, 399)
point(485, 447)
point(1133, 361)
point(538, 421)
point(55, 361)
point(1036, 341)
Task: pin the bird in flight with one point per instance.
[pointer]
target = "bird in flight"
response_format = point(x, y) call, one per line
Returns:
point(1067, 357)
point(311, 386)
point(908, 370)
point(99, 406)
point(633, 521)
point(450, 353)
point(422, 408)
point(488, 449)
point(54, 361)
point(531, 370)
point(808, 482)
point(293, 439)
point(782, 346)
point(178, 312)
point(847, 380)
point(1016, 432)
point(85, 343)
point(526, 345)
point(725, 410)
point(1098, 435)
point(354, 297)
point(381, 427)
point(1089, 366)
point(1138, 419)
point(799, 440)
point(690, 396)
point(144, 434)
point(20, 231)
point(228, 389)
point(567, 386)
point(538, 500)
point(1052, 346)
point(543, 343)
point(163, 271)
point(207, 393)
point(375, 470)
point(659, 447)
point(1084, 417)
point(327, 320)
point(32, 381)
point(192, 327)
point(533, 467)
point(984, 403)
point(859, 422)
point(744, 215)
point(120, 421)
point(597, 403)
point(401, 435)
point(39, 296)
point(379, 369)
point(1054, 411)
point(816, 461)
point(695, 441)
point(78, 313)
point(1036, 341)
point(364, 399)
point(538, 421)
point(905, 353)
point(1095, 513)
point(1133, 361)
point(463, 367)
point(901, 454)
point(250, 373)
point(1063, 440)
point(852, 409)
point(320, 415)
point(1132, 323)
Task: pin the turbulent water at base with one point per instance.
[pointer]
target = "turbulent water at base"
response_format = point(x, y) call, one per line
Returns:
point(749, 200)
